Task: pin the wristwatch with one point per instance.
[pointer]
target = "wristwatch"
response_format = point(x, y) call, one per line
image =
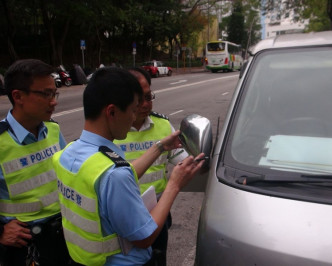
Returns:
point(160, 146)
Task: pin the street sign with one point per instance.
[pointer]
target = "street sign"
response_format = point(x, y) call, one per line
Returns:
point(82, 44)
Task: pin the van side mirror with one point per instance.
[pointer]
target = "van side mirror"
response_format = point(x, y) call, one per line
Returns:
point(196, 135)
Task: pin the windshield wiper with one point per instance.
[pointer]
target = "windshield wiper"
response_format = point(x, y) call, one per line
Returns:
point(247, 180)
point(317, 176)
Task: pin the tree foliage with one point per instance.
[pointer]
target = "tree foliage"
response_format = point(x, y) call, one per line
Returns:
point(52, 29)
point(235, 29)
point(243, 25)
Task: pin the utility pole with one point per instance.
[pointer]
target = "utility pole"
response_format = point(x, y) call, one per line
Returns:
point(208, 33)
point(249, 37)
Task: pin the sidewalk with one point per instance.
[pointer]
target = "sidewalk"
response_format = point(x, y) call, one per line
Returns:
point(188, 70)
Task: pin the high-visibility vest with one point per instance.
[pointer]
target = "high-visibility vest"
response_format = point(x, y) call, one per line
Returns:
point(137, 142)
point(29, 176)
point(80, 211)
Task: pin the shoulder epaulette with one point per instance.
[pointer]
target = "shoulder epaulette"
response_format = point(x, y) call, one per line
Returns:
point(116, 158)
point(159, 115)
point(4, 126)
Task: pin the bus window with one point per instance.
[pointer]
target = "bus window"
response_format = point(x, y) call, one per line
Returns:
point(215, 47)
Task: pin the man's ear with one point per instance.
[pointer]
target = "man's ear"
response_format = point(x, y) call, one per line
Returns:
point(17, 96)
point(110, 109)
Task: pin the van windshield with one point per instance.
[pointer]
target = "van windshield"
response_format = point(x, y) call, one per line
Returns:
point(284, 118)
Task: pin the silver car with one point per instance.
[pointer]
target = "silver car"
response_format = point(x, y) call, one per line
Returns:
point(268, 199)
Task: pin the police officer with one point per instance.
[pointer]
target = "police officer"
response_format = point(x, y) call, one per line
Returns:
point(28, 191)
point(104, 218)
point(148, 128)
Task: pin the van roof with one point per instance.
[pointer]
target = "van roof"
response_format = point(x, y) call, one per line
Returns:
point(294, 40)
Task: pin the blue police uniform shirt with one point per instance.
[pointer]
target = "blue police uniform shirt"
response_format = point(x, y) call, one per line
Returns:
point(121, 208)
point(22, 137)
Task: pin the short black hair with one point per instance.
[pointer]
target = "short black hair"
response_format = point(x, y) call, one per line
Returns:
point(109, 85)
point(20, 75)
point(141, 71)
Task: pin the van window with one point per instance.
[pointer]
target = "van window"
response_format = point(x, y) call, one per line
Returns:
point(284, 119)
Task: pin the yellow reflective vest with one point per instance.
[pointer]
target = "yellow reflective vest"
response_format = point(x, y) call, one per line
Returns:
point(80, 211)
point(137, 142)
point(29, 176)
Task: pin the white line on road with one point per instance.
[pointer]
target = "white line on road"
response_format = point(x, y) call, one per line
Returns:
point(68, 112)
point(180, 81)
point(195, 83)
point(225, 93)
point(176, 112)
point(157, 91)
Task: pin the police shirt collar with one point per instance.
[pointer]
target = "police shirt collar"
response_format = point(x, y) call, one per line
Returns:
point(20, 132)
point(97, 140)
point(146, 125)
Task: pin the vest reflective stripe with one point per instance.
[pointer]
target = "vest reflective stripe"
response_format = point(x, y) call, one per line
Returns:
point(85, 224)
point(12, 208)
point(92, 246)
point(148, 178)
point(49, 198)
point(137, 142)
point(69, 193)
point(31, 183)
point(30, 159)
point(137, 146)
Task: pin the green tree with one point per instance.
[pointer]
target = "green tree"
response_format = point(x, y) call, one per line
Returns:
point(252, 32)
point(13, 20)
point(51, 30)
point(235, 28)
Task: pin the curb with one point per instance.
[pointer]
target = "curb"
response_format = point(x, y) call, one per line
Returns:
point(188, 70)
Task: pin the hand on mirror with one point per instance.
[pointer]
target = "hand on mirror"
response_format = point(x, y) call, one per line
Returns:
point(184, 171)
point(172, 141)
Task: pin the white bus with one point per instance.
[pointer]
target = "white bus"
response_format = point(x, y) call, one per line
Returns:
point(223, 55)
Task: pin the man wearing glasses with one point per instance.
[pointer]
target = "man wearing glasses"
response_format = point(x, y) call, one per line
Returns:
point(149, 128)
point(29, 207)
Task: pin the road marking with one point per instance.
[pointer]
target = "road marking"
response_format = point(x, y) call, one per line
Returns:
point(157, 91)
point(190, 84)
point(68, 112)
point(176, 112)
point(225, 93)
point(180, 81)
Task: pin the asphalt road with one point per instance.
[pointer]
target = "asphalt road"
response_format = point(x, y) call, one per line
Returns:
point(186, 92)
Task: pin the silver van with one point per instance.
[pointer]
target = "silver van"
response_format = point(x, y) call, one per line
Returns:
point(268, 199)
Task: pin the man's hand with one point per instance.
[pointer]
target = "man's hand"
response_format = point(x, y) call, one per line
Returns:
point(184, 171)
point(15, 234)
point(172, 141)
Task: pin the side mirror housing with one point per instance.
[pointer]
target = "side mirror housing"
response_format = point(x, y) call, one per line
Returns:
point(196, 135)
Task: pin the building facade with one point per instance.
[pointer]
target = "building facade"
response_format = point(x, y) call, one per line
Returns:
point(281, 20)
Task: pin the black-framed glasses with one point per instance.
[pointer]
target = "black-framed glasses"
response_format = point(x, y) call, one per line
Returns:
point(48, 94)
point(149, 97)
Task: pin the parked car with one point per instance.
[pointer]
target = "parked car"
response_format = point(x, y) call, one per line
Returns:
point(268, 199)
point(157, 68)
